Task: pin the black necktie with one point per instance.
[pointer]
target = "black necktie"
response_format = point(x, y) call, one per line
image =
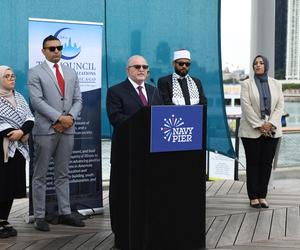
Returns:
point(185, 90)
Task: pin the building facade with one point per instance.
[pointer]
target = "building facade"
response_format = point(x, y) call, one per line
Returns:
point(280, 38)
point(293, 41)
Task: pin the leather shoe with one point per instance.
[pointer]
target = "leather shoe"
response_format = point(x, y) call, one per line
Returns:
point(3, 232)
point(71, 220)
point(9, 228)
point(255, 205)
point(41, 225)
point(264, 205)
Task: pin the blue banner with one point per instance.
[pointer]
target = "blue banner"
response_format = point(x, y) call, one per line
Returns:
point(176, 128)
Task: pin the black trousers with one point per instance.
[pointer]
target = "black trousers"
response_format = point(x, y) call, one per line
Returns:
point(260, 153)
point(5, 208)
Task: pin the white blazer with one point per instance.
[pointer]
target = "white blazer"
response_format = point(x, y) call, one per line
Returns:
point(250, 104)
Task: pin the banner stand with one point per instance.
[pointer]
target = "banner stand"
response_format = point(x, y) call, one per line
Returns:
point(82, 51)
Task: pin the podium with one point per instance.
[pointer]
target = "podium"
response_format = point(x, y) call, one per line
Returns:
point(157, 200)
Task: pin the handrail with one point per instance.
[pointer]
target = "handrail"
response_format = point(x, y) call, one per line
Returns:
point(290, 130)
point(291, 94)
point(285, 130)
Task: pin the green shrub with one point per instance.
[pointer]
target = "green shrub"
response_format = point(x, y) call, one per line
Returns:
point(290, 86)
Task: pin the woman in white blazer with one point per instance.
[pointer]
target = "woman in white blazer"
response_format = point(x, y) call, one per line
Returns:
point(260, 128)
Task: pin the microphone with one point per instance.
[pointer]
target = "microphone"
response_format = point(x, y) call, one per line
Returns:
point(150, 102)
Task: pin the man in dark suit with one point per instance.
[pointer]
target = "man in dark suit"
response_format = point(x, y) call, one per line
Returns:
point(123, 100)
point(180, 88)
point(56, 100)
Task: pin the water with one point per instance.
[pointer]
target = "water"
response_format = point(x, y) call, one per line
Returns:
point(293, 109)
point(289, 152)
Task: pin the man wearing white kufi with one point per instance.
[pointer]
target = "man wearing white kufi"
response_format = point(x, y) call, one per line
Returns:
point(180, 88)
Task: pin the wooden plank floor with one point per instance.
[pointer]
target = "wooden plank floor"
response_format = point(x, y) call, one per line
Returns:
point(230, 223)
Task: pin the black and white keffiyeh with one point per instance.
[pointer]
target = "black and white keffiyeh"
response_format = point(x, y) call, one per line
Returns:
point(178, 98)
point(15, 117)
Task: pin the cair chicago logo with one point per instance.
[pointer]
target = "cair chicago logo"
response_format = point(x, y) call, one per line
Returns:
point(175, 131)
point(70, 51)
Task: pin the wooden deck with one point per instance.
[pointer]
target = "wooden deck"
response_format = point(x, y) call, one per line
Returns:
point(230, 223)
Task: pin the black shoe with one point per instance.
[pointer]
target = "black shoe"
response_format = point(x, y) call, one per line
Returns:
point(9, 229)
point(255, 205)
point(71, 220)
point(3, 232)
point(41, 225)
point(264, 205)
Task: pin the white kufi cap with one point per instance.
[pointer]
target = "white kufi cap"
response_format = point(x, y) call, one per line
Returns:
point(183, 53)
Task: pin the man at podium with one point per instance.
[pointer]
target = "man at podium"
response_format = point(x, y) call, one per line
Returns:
point(122, 101)
point(127, 97)
point(180, 88)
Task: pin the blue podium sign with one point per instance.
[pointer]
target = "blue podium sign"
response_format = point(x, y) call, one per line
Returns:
point(176, 128)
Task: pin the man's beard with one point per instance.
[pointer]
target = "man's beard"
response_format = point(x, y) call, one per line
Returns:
point(182, 74)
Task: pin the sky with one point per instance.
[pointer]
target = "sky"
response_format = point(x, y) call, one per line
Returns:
point(235, 34)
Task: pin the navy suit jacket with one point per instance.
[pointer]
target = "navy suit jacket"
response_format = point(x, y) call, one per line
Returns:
point(123, 101)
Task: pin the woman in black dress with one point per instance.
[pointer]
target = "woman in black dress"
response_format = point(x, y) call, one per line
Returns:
point(16, 121)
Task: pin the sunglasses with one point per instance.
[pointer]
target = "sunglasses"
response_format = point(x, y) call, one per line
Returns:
point(53, 48)
point(138, 66)
point(184, 63)
point(9, 77)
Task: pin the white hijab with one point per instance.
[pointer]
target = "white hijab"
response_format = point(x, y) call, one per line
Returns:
point(9, 96)
point(5, 93)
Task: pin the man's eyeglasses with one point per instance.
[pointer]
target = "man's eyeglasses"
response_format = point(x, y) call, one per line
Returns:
point(53, 48)
point(9, 77)
point(184, 63)
point(138, 66)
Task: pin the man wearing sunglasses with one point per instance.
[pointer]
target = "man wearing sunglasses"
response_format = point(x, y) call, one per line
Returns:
point(122, 101)
point(56, 100)
point(127, 97)
point(180, 88)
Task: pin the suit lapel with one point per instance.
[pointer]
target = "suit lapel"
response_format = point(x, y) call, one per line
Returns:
point(150, 94)
point(45, 66)
point(133, 93)
point(254, 92)
point(65, 74)
point(273, 90)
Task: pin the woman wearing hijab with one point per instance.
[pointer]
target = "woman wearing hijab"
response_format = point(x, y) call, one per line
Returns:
point(16, 121)
point(260, 128)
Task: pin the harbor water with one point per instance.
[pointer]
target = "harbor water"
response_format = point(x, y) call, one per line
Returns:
point(289, 151)
point(289, 154)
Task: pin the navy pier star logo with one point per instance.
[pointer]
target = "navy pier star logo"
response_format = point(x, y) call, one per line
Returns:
point(175, 131)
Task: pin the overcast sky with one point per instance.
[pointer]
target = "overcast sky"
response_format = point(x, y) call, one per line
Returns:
point(235, 34)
